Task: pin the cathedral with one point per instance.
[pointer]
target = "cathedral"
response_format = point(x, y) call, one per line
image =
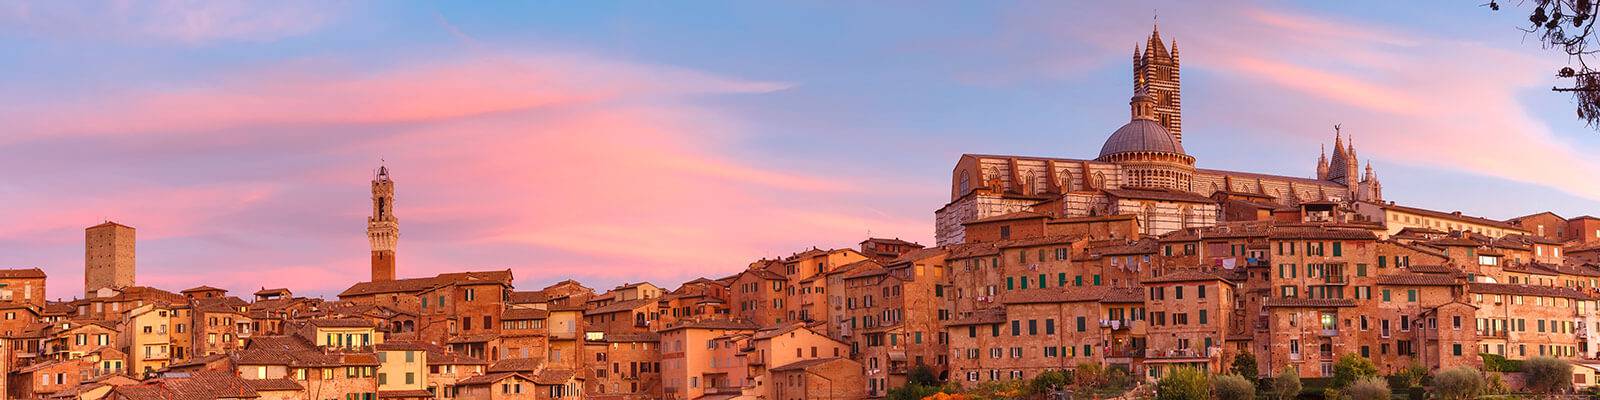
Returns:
point(1142, 170)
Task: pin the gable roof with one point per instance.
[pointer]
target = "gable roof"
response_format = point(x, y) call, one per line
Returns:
point(412, 285)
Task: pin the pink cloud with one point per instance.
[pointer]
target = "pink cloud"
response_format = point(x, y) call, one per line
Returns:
point(555, 166)
point(1409, 97)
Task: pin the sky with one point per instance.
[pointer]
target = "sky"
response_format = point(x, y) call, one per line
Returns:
point(615, 142)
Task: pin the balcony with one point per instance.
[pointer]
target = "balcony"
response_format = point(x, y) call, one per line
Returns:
point(1501, 334)
point(1336, 280)
point(1294, 356)
point(1327, 355)
point(1124, 353)
point(1330, 332)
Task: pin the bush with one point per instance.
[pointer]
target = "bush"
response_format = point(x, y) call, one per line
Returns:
point(1234, 387)
point(1547, 375)
point(1049, 381)
point(1495, 384)
point(1459, 383)
point(1183, 384)
point(1117, 377)
point(1368, 388)
point(912, 391)
point(1286, 385)
point(1499, 363)
point(1352, 367)
point(1244, 365)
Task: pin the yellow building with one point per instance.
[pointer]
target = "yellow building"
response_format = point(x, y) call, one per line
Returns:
point(149, 337)
point(403, 369)
point(348, 333)
point(1396, 217)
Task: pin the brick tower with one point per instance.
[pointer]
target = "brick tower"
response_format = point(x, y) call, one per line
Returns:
point(1155, 70)
point(383, 230)
point(107, 257)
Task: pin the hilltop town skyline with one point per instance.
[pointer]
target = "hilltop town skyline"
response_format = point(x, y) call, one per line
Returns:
point(269, 188)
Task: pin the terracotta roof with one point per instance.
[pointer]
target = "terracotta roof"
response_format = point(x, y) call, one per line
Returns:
point(805, 364)
point(21, 273)
point(516, 365)
point(198, 385)
point(1320, 233)
point(1184, 276)
point(1309, 303)
point(1527, 290)
point(526, 297)
point(422, 284)
point(892, 241)
point(489, 378)
point(969, 250)
point(276, 291)
point(272, 385)
point(918, 254)
point(1165, 195)
point(621, 306)
point(519, 314)
point(1532, 268)
point(1449, 215)
point(555, 377)
point(1410, 279)
point(202, 288)
point(1430, 269)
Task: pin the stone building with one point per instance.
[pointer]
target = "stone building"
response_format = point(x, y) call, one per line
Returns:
point(820, 378)
point(108, 259)
point(1145, 161)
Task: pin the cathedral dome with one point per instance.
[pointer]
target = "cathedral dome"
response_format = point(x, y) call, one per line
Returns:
point(1141, 135)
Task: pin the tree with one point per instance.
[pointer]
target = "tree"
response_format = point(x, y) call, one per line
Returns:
point(1547, 375)
point(1184, 383)
point(1049, 381)
point(1568, 25)
point(1287, 384)
point(1244, 365)
point(1412, 375)
point(1234, 387)
point(1351, 367)
point(1459, 383)
point(1089, 375)
point(922, 375)
point(1367, 388)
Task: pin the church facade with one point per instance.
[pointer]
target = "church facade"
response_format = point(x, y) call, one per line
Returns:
point(1141, 170)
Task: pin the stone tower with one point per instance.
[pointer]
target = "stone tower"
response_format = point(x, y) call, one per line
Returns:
point(107, 257)
point(1155, 71)
point(383, 230)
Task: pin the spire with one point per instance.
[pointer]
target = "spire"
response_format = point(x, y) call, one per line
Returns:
point(1322, 164)
point(1371, 176)
point(1153, 47)
point(1174, 51)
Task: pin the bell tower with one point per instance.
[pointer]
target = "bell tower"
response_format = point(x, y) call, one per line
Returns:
point(383, 230)
point(1155, 71)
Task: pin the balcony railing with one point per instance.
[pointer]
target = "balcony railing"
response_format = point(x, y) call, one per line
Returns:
point(1330, 332)
point(1335, 279)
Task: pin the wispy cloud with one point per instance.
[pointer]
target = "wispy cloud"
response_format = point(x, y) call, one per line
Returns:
point(178, 21)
